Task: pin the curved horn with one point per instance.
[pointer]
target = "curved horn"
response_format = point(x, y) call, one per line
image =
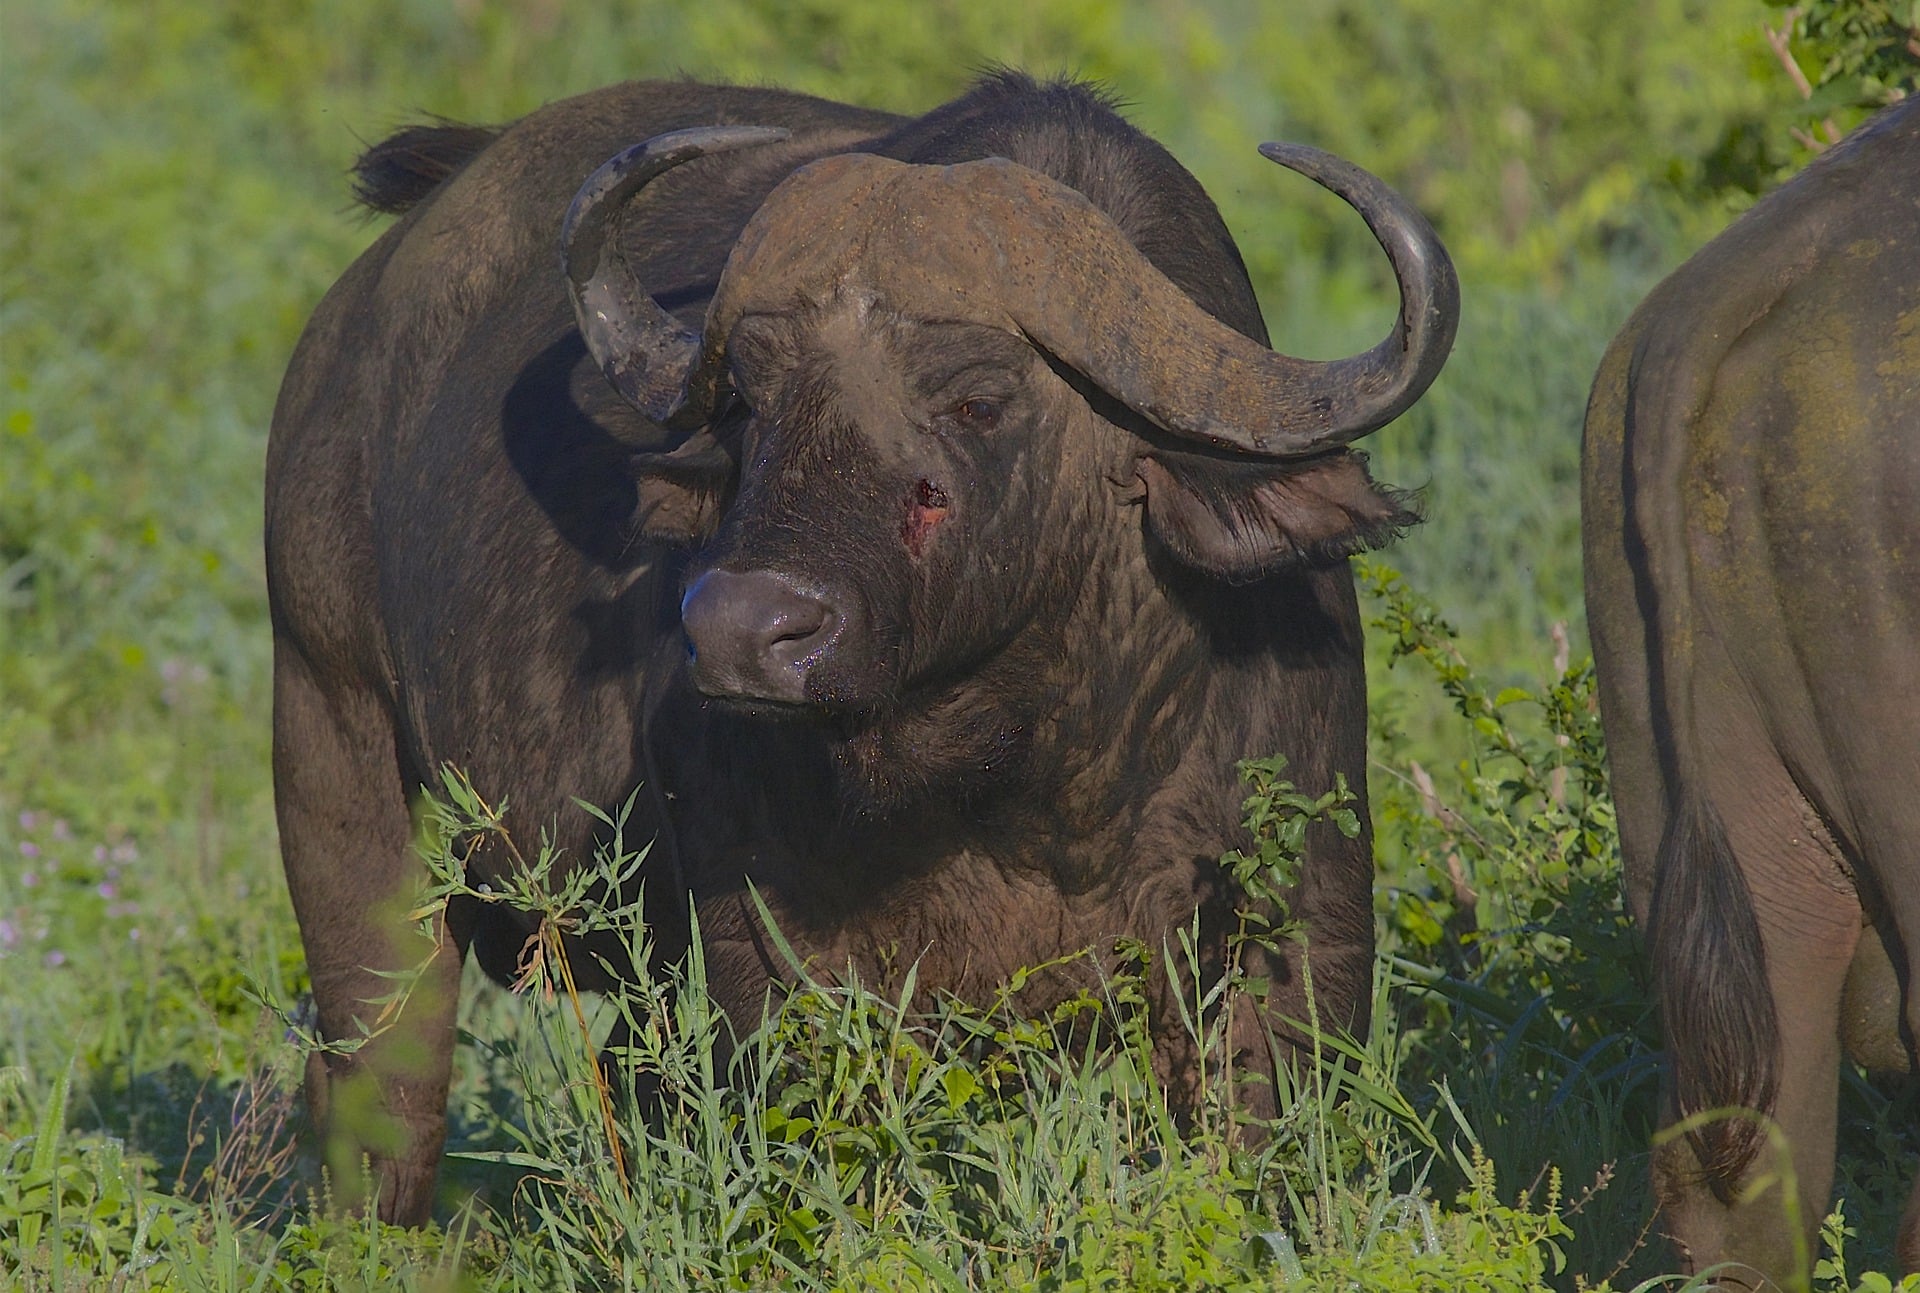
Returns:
point(649, 357)
point(997, 242)
point(1384, 382)
point(1192, 375)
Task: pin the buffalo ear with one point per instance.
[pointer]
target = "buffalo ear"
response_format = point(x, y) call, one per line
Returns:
point(1240, 521)
point(682, 493)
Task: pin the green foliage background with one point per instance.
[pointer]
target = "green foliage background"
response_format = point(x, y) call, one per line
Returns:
point(175, 205)
point(172, 204)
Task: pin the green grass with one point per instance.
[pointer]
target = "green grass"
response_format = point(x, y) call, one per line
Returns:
point(1476, 1139)
point(848, 1145)
point(174, 205)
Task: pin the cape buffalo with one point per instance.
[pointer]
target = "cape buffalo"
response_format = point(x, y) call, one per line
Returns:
point(911, 507)
point(1752, 541)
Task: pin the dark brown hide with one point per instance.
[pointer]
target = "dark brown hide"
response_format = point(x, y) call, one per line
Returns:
point(1752, 540)
point(1009, 726)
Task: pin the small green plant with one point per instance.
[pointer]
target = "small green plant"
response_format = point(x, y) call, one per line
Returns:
point(1521, 923)
point(1846, 58)
point(1503, 904)
point(70, 1205)
point(1830, 1272)
point(1277, 816)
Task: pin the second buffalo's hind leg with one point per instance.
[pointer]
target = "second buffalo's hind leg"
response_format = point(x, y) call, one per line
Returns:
point(1881, 1020)
point(1808, 922)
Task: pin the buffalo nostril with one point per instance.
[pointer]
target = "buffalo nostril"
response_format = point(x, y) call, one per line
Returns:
point(755, 634)
point(801, 623)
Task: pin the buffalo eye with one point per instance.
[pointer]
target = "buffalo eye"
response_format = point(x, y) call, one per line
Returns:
point(980, 414)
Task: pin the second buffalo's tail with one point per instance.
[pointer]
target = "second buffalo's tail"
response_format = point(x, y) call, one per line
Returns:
point(1710, 979)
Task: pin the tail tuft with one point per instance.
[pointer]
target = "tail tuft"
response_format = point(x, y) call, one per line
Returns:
point(1710, 977)
point(411, 163)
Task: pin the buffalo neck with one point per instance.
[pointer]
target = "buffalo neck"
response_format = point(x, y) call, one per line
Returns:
point(1100, 741)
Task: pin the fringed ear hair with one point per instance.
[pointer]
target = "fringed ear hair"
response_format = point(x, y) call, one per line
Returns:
point(1239, 520)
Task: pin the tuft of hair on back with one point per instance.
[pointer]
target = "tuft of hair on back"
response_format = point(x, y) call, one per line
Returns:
point(408, 165)
point(1710, 977)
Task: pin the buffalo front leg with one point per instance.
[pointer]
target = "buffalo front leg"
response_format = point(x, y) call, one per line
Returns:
point(378, 1093)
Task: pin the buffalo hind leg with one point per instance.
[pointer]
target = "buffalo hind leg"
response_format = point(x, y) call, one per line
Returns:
point(1877, 1036)
point(1807, 924)
point(1900, 1053)
point(1907, 917)
point(1906, 1250)
point(346, 837)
